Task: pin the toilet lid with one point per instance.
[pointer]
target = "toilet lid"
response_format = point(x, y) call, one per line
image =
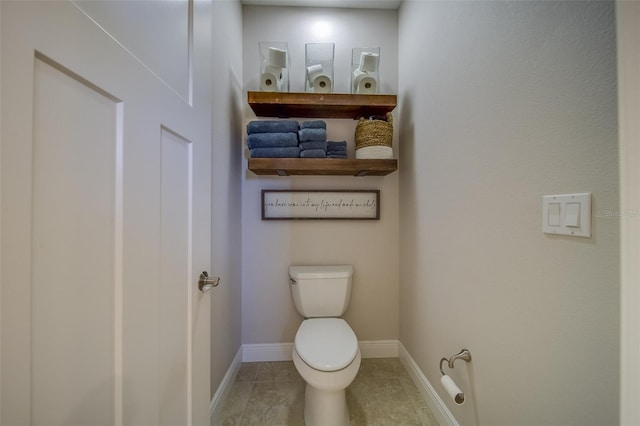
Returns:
point(326, 344)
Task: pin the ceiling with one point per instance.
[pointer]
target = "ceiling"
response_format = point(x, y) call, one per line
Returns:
point(358, 4)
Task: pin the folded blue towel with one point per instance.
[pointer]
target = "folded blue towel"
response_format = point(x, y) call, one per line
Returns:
point(313, 145)
point(337, 149)
point(313, 153)
point(315, 124)
point(272, 140)
point(306, 135)
point(272, 126)
point(337, 155)
point(288, 152)
point(337, 144)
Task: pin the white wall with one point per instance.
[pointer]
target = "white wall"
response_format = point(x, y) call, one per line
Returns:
point(226, 199)
point(628, 42)
point(501, 103)
point(270, 247)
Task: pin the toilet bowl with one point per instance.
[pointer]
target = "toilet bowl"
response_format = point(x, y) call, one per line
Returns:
point(327, 356)
point(325, 352)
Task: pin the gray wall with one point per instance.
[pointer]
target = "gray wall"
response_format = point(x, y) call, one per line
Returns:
point(226, 161)
point(270, 247)
point(501, 103)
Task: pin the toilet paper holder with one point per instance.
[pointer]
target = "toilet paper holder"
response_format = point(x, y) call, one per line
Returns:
point(464, 355)
point(447, 382)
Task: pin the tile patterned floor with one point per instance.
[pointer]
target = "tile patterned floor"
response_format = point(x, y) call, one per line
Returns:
point(272, 394)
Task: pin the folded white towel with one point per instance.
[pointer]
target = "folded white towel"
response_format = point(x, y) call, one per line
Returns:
point(370, 152)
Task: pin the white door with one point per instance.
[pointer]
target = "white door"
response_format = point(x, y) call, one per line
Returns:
point(105, 191)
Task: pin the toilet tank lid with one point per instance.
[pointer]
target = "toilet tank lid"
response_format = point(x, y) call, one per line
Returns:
point(325, 271)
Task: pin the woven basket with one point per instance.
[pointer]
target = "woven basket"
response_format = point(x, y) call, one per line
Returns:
point(374, 132)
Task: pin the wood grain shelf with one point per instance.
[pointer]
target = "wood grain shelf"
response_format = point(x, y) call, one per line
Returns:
point(322, 166)
point(319, 105)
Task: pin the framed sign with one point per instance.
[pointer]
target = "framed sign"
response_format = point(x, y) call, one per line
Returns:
point(314, 204)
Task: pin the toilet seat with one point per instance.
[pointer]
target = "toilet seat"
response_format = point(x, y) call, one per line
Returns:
point(326, 344)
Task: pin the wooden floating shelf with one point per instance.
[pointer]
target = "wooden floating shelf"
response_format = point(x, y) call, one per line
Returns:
point(322, 166)
point(319, 105)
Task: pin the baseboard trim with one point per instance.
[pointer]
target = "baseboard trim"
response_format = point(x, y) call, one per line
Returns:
point(435, 403)
point(262, 352)
point(225, 385)
point(379, 348)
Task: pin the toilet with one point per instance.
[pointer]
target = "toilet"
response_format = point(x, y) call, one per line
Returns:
point(325, 352)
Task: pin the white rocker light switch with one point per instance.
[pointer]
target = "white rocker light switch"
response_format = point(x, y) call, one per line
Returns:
point(567, 214)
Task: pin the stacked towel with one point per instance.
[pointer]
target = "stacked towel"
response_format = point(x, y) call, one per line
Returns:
point(313, 145)
point(273, 139)
point(313, 139)
point(337, 149)
point(314, 124)
point(272, 126)
point(288, 152)
point(313, 153)
point(308, 135)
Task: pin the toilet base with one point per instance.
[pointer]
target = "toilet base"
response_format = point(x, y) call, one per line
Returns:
point(325, 401)
point(325, 408)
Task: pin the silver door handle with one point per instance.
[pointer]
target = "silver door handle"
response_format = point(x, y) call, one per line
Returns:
point(206, 283)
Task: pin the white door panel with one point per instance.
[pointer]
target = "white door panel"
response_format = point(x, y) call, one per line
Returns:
point(101, 319)
point(72, 250)
point(163, 46)
point(174, 301)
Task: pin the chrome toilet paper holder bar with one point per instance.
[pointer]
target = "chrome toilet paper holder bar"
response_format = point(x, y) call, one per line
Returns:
point(464, 355)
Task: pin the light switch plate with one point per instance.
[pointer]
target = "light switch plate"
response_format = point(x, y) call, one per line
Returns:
point(566, 225)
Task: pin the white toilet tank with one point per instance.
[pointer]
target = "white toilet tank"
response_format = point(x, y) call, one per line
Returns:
point(321, 291)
